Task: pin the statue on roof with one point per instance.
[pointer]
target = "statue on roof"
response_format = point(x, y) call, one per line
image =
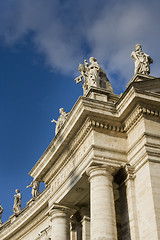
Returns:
point(1, 211)
point(61, 120)
point(92, 75)
point(142, 60)
point(35, 188)
point(17, 202)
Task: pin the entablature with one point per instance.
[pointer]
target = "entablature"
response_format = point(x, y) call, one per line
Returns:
point(84, 108)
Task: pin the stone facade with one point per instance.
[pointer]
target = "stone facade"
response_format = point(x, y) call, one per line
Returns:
point(101, 171)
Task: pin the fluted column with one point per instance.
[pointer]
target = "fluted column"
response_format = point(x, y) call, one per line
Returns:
point(60, 224)
point(103, 222)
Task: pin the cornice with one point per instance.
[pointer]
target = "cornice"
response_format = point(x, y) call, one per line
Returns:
point(107, 126)
point(139, 112)
point(81, 110)
point(70, 150)
point(133, 96)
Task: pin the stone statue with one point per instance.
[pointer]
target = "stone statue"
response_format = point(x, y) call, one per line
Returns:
point(142, 61)
point(92, 75)
point(17, 202)
point(35, 188)
point(61, 120)
point(1, 211)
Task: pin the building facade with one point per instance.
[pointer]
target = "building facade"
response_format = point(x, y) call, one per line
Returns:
point(101, 171)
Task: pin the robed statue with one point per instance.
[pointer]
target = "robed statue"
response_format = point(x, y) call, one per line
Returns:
point(142, 60)
point(35, 188)
point(17, 202)
point(92, 75)
point(1, 211)
point(61, 120)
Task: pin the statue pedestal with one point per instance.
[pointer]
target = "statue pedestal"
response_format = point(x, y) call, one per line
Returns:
point(13, 217)
point(101, 94)
point(145, 82)
point(31, 201)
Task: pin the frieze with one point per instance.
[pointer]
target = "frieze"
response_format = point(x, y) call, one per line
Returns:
point(81, 134)
point(70, 167)
point(71, 149)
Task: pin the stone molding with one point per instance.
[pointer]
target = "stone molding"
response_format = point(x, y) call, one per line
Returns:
point(100, 170)
point(141, 77)
point(125, 173)
point(78, 115)
point(107, 126)
point(130, 171)
point(81, 136)
point(59, 213)
point(139, 112)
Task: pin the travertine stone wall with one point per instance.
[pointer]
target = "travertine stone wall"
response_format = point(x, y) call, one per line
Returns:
point(145, 204)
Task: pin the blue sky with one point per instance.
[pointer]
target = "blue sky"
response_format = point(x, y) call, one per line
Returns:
point(41, 45)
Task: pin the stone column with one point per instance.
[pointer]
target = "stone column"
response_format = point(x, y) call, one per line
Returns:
point(85, 228)
point(131, 200)
point(60, 224)
point(84, 212)
point(103, 222)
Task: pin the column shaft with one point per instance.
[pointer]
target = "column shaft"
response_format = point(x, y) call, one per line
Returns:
point(103, 222)
point(60, 225)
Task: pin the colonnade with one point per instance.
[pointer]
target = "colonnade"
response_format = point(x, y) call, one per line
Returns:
point(102, 210)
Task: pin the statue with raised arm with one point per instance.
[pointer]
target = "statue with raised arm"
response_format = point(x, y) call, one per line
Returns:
point(35, 188)
point(61, 120)
point(1, 211)
point(17, 202)
point(142, 60)
point(92, 75)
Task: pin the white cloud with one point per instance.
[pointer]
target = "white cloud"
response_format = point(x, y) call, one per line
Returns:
point(116, 32)
point(62, 30)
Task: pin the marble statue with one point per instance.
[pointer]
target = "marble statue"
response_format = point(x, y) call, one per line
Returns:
point(1, 211)
point(61, 120)
point(35, 188)
point(92, 75)
point(142, 60)
point(17, 202)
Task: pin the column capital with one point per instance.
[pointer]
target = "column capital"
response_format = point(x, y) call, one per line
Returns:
point(58, 211)
point(60, 222)
point(130, 171)
point(99, 170)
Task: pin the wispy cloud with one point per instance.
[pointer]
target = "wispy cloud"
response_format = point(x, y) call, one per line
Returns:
point(65, 32)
